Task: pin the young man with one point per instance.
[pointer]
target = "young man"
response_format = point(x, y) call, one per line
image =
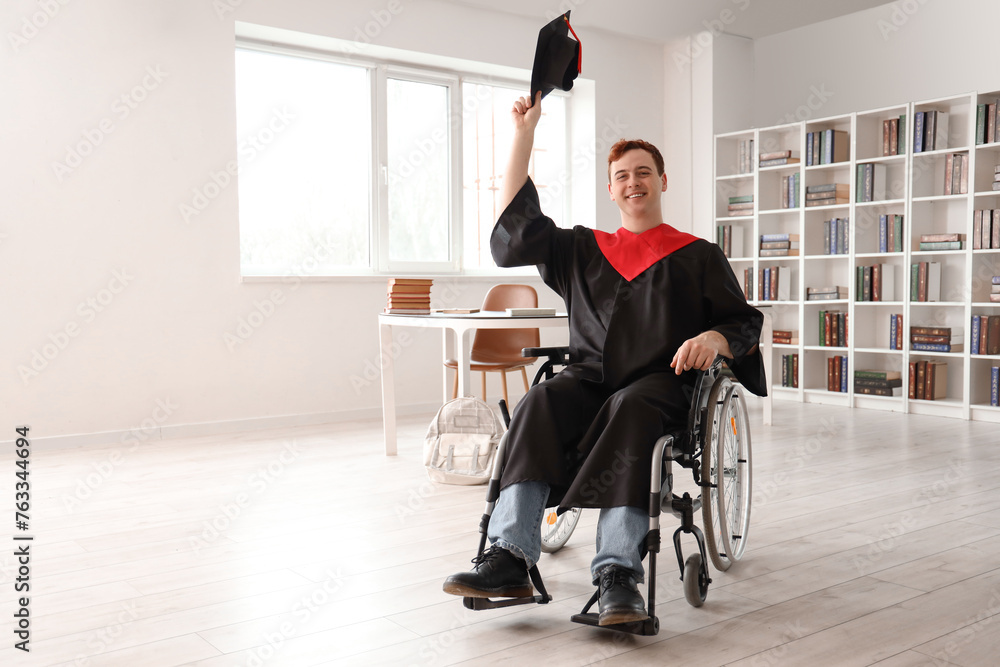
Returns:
point(648, 307)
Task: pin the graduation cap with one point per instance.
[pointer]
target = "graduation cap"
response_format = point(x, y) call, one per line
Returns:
point(557, 57)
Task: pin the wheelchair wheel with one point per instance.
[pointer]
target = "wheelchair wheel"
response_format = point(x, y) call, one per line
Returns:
point(556, 528)
point(726, 464)
point(695, 580)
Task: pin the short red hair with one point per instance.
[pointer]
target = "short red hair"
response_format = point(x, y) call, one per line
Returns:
point(626, 145)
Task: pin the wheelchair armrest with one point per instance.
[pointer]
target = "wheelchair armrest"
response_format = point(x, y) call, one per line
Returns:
point(557, 355)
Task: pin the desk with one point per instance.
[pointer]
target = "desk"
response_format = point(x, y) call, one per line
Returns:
point(461, 325)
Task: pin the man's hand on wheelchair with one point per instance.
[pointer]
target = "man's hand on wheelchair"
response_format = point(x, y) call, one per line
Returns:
point(699, 352)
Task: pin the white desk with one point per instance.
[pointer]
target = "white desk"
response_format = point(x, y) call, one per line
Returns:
point(461, 325)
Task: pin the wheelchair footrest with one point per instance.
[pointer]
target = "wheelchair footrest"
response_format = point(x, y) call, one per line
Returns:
point(648, 627)
point(478, 604)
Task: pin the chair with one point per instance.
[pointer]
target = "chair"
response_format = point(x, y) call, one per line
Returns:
point(499, 350)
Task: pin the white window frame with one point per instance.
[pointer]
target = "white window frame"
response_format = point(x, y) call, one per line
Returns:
point(380, 69)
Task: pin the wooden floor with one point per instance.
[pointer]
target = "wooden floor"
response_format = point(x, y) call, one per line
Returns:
point(875, 539)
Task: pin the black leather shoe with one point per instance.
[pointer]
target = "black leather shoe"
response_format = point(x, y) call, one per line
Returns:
point(620, 599)
point(497, 573)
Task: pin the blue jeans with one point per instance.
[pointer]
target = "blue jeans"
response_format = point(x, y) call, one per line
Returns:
point(516, 523)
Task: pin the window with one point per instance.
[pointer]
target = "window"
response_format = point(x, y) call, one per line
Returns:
point(361, 168)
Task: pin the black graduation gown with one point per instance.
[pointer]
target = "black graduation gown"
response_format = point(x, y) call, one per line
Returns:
point(590, 431)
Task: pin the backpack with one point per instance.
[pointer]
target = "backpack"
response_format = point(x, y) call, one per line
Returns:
point(461, 442)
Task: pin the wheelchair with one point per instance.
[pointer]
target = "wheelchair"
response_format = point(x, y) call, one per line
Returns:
point(715, 446)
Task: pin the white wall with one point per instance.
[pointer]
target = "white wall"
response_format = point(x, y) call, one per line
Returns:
point(151, 351)
point(893, 54)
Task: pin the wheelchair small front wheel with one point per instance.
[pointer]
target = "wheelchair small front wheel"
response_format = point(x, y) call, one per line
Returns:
point(695, 580)
point(557, 528)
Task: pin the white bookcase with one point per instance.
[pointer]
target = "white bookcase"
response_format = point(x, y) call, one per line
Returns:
point(914, 187)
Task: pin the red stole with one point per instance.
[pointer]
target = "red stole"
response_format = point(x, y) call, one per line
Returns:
point(631, 254)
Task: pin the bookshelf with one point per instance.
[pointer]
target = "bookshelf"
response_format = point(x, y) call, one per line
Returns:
point(890, 190)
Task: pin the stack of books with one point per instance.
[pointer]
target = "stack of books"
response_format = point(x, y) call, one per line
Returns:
point(828, 194)
point(777, 159)
point(409, 296)
point(985, 334)
point(936, 339)
point(746, 156)
point(995, 289)
point(956, 173)
point(740, 205)
point(986, 123)
point(986, 229)
point(890, 232)
point(772, 283)
point(730, 239)
point(925, 281)
point(928, 380)
point(878, 383)
point(875, 283)
point(930, 131)
point(779, 245)
point(836, 373)
point(871, 182)
point(785, 337)
point(836, 236)
point(896, 331)
point(832, 328)
point(790, 370)
point(790, 191)
point(894, 136)
point(827, 147)
point(828, 293)
point(941, 241)
point(996, 177)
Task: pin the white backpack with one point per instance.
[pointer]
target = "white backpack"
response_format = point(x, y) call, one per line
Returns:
point(461, 442)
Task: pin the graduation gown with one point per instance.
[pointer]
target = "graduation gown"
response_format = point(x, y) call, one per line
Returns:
point(632, 300)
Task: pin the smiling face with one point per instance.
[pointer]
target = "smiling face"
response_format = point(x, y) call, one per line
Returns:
point(636, 186)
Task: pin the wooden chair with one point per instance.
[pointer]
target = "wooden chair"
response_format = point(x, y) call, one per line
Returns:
point(499, 350)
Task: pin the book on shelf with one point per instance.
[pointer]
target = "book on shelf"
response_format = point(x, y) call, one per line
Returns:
point(994, 385)
point(956, 174)
point(890, 232)
point(748, 284)
point(876, 382)
point(836, 236)
point(925, 281)
point(936, 339)
point(896, 331)
point(941, 241)
point(875, 283)
point(871, 182)
point(985, 336)
point(836, 373)
point(986, 122)
point(826, 293)
point(930, 130)
point(772, 283)
point(790, 191)
point(730, 239)
point(832, 328)
point(741, 205)
point(746, 153)
point(790, 370)
point(771, 238)
point(893, 136)
point(785, 336)
point(928, 380)
point(986, 229)
point(827, 147)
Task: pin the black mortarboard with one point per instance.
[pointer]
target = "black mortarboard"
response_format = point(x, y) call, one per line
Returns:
point(557, 57)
